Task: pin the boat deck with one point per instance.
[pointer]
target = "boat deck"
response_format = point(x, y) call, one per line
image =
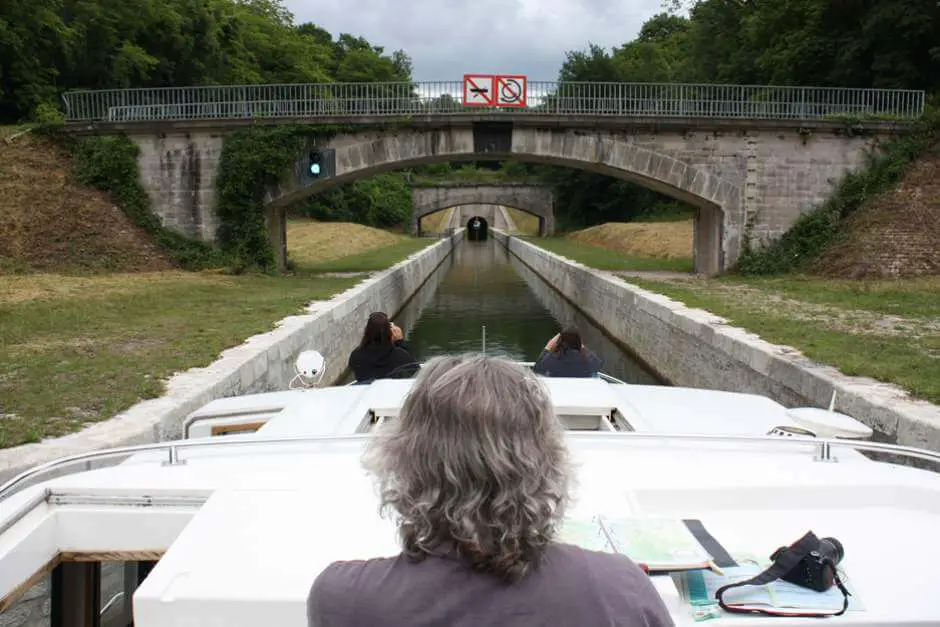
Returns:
point(243, 524)
point(246, 533)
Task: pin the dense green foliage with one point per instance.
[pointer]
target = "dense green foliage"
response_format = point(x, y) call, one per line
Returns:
point(49, 46)
point(250, 161)
point(846, 43)
point(381, 201)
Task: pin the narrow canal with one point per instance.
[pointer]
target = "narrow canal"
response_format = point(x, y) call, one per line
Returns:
point(481, 288)
point(482, 285)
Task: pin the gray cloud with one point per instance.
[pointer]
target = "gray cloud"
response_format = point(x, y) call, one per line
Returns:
point(447, 39)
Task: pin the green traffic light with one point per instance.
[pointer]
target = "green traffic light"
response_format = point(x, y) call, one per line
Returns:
point(314, 168)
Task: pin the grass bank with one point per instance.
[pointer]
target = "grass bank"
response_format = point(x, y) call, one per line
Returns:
point(78, 350)
point(886, 330)
point(526, 223)
point(318, 247)
point(437, 222)
point(607, 259)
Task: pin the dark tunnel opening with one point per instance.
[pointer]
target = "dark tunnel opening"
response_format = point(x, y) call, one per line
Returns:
point(477, 229)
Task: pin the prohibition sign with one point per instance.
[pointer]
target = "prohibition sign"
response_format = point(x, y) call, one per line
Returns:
point(478, 90)
point(510, 91)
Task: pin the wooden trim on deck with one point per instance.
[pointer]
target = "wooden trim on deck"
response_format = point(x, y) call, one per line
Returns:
point(153, 555)
point(237, 428)
point(7, 601)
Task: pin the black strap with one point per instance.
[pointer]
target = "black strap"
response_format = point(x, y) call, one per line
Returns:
point(784, 563)
point(720, 555)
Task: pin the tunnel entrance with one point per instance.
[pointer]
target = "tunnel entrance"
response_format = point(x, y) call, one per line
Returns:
point(477, 228)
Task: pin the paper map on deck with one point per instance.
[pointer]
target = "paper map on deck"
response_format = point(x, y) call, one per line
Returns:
point(660, 543)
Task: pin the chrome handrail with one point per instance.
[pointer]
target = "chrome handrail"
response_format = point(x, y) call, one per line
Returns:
point(529, 364)
point(173, 447)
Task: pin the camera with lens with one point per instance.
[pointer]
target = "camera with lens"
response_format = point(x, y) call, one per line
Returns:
point(817, 569)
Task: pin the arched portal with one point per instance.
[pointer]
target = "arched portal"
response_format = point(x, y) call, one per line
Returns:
point(719, 199)
point(477, 229)
point(536, 200)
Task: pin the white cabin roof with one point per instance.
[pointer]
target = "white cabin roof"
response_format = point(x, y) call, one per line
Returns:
point(247, 522)
point(274, 516)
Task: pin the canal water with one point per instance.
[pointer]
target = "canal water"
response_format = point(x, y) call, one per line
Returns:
point(482, 298)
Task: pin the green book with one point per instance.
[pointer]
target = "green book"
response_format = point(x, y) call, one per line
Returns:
point(662, 544)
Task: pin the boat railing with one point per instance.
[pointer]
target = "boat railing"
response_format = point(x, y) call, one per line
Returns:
point(821, 448)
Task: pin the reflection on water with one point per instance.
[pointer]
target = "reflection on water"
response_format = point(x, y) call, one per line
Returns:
point(481, 284)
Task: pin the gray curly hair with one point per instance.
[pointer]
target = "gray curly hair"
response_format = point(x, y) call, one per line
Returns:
point(476, 459)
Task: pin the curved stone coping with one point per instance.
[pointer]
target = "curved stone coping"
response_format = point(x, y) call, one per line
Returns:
point(263, 362)
point(692, 347)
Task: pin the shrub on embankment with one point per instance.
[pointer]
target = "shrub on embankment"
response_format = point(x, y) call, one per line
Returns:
point(255, 159)
point(825, 226)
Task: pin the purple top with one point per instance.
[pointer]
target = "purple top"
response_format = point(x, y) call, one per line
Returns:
point(571, 586)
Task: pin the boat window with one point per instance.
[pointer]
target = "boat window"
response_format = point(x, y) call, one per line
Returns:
point(609, 421)
point(234, 423)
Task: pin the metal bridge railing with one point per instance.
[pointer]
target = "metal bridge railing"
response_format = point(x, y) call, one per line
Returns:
point(397, 100)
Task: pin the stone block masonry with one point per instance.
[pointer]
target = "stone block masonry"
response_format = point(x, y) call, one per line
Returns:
point(693, 348)
point(178, 173)
point(263, 363)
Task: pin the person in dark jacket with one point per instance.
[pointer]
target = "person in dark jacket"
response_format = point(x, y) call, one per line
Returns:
point(566, 356)
point(381, 352)
point(477, 470)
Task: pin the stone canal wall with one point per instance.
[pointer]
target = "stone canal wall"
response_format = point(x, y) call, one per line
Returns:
point(691, 347)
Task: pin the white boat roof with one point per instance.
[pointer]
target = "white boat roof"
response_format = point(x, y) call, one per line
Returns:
point(248, 522)
point(341, 410)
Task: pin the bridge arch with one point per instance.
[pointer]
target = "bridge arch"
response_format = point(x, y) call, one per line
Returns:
point(719, 200)
point(537, 200)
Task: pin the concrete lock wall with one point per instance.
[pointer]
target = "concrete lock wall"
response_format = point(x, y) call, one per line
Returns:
point(691, 347)
point(264, 362)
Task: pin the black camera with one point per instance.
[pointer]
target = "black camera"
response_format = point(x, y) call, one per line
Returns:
point(817, 569)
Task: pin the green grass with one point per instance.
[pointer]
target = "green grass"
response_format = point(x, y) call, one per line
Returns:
point(71, 357)
point(886, 330)
point(604, 259)
point(908, 297)
point(369, 261)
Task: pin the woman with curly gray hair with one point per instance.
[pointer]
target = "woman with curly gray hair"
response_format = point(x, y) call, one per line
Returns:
point(477, 471)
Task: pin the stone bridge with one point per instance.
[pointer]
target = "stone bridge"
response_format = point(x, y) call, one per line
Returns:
point(537, 200)
point(749, 178)
point(751, 159)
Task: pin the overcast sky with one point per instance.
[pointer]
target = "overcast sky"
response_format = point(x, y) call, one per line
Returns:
point(448, 38)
